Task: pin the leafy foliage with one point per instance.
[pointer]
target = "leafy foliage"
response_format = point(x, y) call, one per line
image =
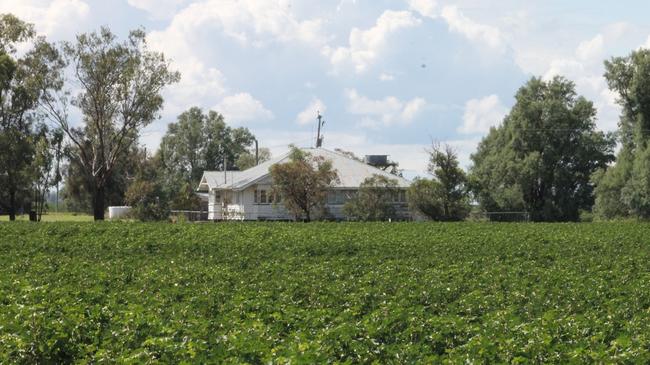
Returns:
point(144, 197)
point(44, 169)
point(120, 93)
point(623, 190)
point(303, 183)
point(145, 193)
point(540, 160)
point(198, 142)
point(445, 197)
point(324, 293)
point(247, 159)
point(25, 81)
point(374, 200)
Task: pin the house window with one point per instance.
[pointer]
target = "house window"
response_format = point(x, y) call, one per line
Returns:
point(340, 197)
point(402, 196)
point(263, 197)
point(331, 197)
point(255, 199)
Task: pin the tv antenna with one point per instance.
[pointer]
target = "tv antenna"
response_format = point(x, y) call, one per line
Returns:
point(319, 138)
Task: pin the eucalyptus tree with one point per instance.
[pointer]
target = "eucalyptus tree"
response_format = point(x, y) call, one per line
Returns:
point(26, 78)
point(200, 141)
point(303, 182)
point(118, 92)
point(445, 197)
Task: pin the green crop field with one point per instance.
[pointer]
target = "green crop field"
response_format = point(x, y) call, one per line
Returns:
point(324, 292)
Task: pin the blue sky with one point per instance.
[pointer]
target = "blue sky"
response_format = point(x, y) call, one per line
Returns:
point(389, 76)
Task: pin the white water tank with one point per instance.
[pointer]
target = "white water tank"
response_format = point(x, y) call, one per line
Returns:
point(118, 212)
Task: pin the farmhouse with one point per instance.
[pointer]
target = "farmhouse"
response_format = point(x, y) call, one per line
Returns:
point(246, 195)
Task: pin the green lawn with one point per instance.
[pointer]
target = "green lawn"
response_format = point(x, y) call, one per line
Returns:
point(54, 217)
point(263, 293)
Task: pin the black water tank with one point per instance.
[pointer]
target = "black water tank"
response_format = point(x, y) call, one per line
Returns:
point(377, 160)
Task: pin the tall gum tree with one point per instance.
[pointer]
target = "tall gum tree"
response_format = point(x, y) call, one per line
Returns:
point(119, 92)
point(25, 81)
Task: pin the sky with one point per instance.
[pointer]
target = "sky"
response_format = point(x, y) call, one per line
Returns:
point(389, 76)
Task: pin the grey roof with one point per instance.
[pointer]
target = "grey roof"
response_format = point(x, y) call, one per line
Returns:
point(350, 171)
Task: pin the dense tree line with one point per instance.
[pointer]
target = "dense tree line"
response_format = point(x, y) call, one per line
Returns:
point(545, 160)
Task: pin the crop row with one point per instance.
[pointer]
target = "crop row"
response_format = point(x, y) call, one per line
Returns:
point(326, 292)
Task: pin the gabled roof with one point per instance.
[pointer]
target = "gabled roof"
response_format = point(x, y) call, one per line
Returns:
point(351, 172)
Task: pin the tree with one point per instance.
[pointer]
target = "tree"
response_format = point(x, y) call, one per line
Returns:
point(373, 201)
point(24, 82)
point(144, 198)
point(445, 197)
point(541, 159)
point(303, 183)
point(247, 159)
point(185, 198)
point(623, 190)
point(145, 193)
point(199, 142)
point(77, 190)
point(44, 169)
point(120, 93)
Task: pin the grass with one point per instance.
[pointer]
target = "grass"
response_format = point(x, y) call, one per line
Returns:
point(257, 293)
point(54, 217)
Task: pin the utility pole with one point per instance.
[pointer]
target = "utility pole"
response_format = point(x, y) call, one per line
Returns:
point(225, 171)
point(223, 150)
point(257, 153)
point(319, 139)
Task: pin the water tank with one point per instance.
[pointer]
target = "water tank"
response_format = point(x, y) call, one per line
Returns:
point(118, 212)
point(376, 160)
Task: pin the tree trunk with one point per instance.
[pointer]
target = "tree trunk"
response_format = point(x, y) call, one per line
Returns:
point(12, 205)
point(307, 216)
point(99, 202)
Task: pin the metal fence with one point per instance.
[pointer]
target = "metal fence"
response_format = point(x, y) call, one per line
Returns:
point(191, 215)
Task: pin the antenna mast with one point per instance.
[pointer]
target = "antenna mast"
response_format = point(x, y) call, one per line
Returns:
point(319, 138)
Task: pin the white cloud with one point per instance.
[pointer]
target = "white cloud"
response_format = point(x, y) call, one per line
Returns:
point(242, 108)
point(386, 77)
point(387, 111)
point(366, 45)
point(158, 8)
point(566, 67)
point(481, 114)
point(584, 66)
point(425, 7)
point(191, 32)
point(249, 21)
point(591, 49)
point(412, 108)
point(308, 115)
point(472, 30)
point(57, 19)
point(200, 85)
point(647, 43)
